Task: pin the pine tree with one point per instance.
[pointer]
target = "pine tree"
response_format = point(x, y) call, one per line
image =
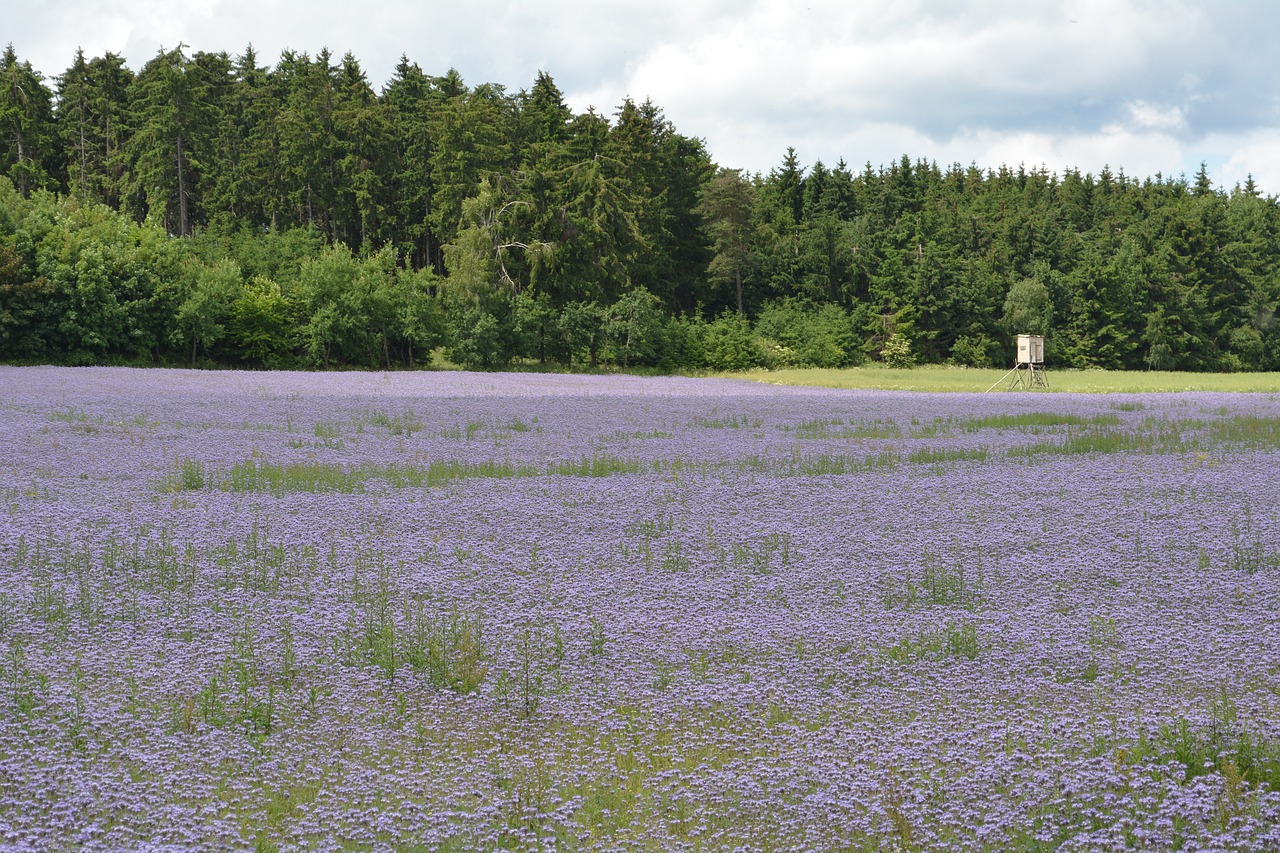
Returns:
point(686, 170)
point(363, 142)
point(77, 129)
point(308, 147)
point(586, 212)
point(472, 132)
point(544, 122)
point(217, 141)
point(26, 124)
point(174, 118)
point(727, 208)
point(108, 101)
point(243, 172)
point(781, 217)
point(410, 99)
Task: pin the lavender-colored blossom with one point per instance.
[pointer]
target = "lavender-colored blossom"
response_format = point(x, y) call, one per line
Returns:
point(325, 611)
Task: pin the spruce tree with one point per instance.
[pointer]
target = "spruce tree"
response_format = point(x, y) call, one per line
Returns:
point(26, 125)
point(169, 102)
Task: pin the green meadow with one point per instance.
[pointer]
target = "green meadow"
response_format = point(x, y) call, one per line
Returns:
point(972, 379)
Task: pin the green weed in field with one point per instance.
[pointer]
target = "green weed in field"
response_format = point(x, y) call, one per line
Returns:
point(599, 465)
point(949, 641)
point(1248, 432)
point(839, 429)
point(937, 583)
point(726, 422)
point(406, 423)
point(939, 455)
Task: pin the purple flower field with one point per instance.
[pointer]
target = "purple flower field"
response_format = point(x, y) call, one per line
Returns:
point(422, 611)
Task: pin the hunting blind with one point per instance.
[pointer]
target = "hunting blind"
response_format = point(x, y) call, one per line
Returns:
point(1028, 371)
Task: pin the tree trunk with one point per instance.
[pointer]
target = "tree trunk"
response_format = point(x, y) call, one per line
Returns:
point(22, 175)
point(183, 226)
point(84, 160)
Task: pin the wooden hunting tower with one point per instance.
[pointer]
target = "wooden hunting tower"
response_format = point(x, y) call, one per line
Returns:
point(1028, 371)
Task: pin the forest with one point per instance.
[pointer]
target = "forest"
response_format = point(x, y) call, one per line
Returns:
point(211, 210)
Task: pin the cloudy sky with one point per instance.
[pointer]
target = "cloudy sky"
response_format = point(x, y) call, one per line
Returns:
point(1149, 87)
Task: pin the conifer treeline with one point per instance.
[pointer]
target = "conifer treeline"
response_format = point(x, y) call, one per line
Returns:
point(212, 209)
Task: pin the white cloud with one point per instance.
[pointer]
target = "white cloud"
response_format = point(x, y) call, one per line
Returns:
point(1068, 83)
point(840, 56)
point(1140, 155)
point(1150, 116)
point(1256, 154)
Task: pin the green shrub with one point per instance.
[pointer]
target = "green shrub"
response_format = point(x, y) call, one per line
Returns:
point(727, 343)
point(477, 340)
point(897, 351)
